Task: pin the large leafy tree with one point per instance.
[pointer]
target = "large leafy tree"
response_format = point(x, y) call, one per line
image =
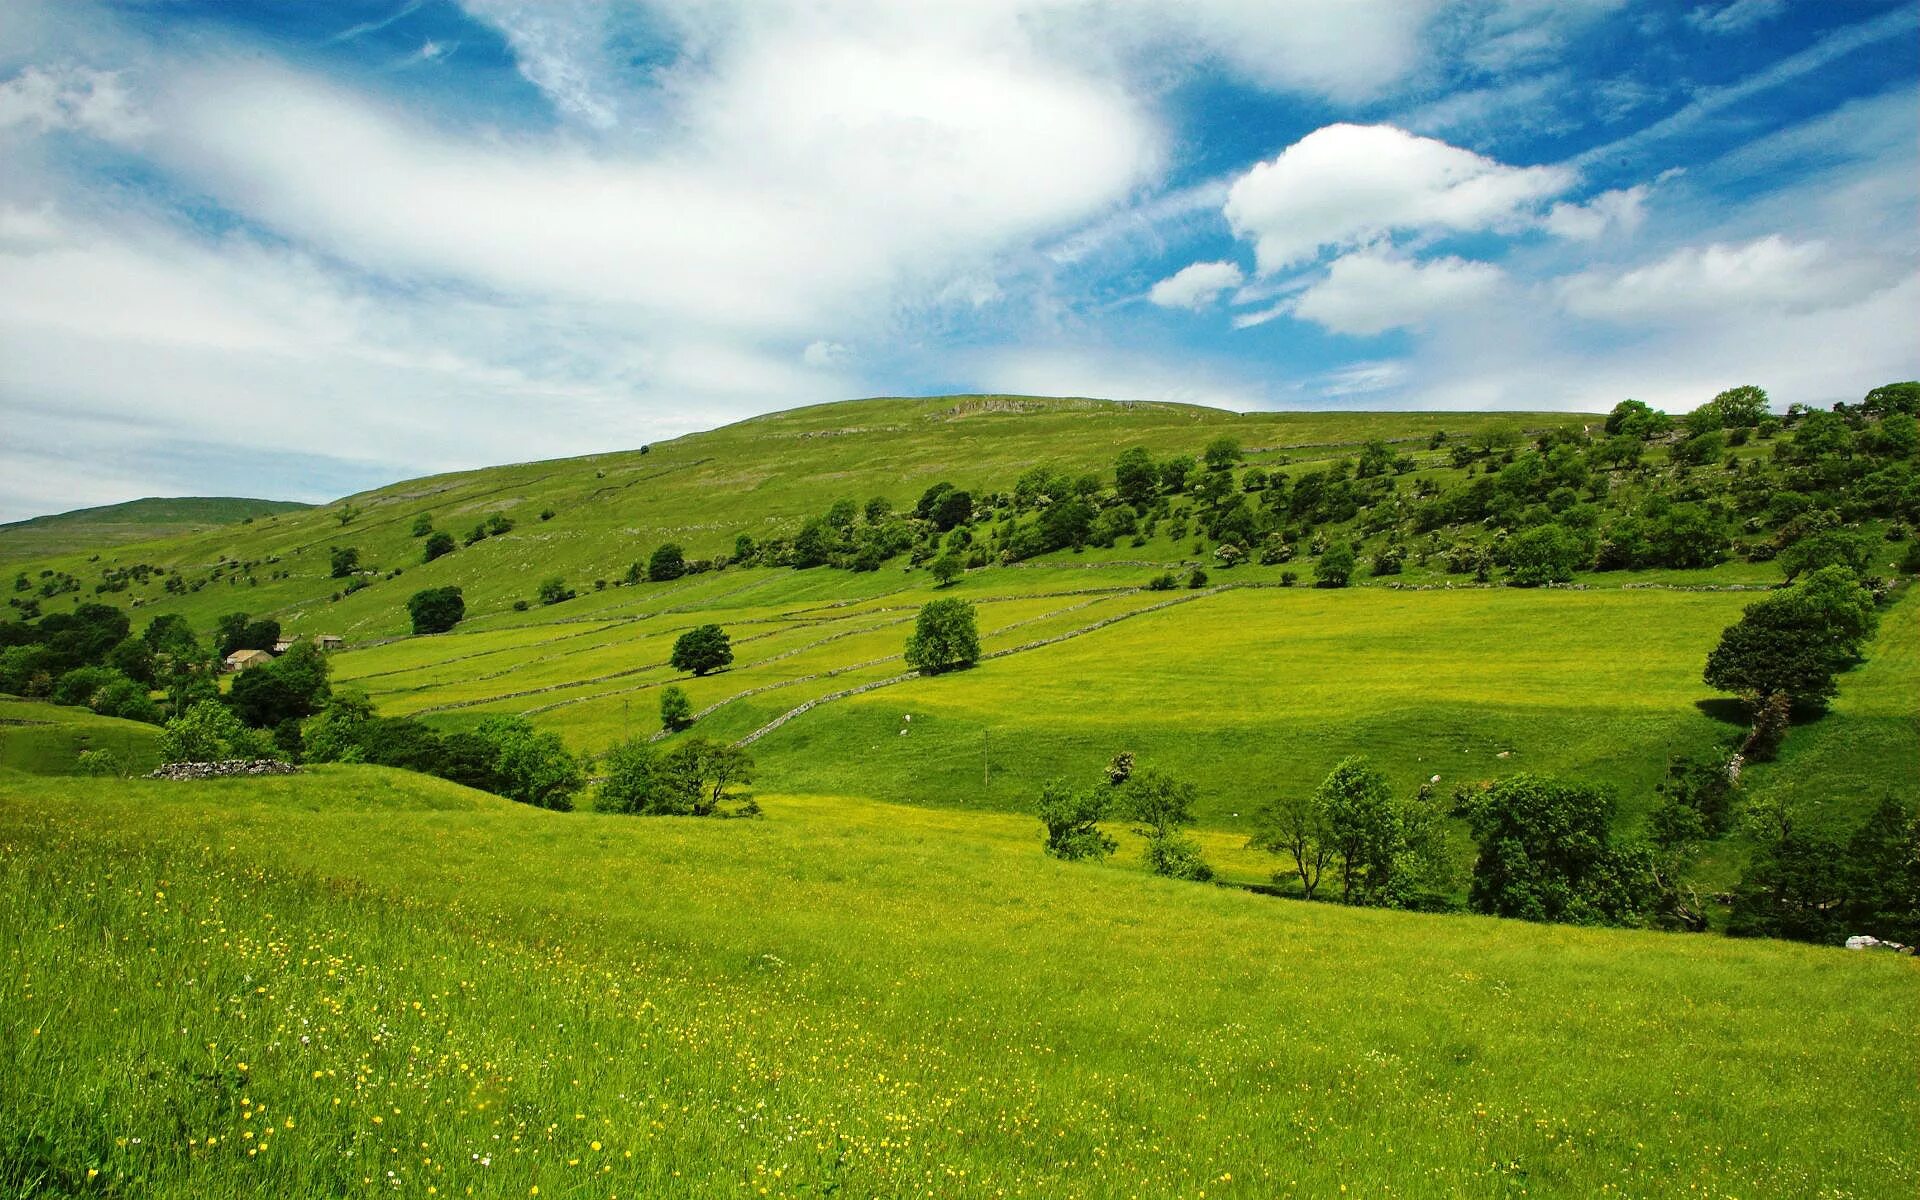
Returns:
point(436, 610)
point(702, 649)
point(533, 768)
point(1072, 820)
point(1361, 825)
point(1546, 853)
point(945, 637)
point(1796, 640)
point(1136, 478)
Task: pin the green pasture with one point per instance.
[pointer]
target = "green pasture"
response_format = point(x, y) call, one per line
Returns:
point(761, 477)
point(357, 981)
point(48, 739)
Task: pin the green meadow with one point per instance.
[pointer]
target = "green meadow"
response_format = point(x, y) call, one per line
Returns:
point(357, 981)
point(361, 981)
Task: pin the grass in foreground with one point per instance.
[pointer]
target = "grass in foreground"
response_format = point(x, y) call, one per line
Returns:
point(420, 991)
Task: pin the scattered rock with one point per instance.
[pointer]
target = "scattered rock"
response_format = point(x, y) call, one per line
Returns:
point(223, 769)
point(1866, 941)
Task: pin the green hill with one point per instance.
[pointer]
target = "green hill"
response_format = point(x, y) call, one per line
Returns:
point(1247, 687)
point(90, 530)
point(364, 979)
point(360, 980)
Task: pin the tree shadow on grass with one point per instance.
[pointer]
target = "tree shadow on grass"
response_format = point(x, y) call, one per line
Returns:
point(1730, 711)
point(1725, 710)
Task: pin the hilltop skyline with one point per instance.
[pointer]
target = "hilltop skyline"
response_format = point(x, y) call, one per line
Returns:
point(286, 250)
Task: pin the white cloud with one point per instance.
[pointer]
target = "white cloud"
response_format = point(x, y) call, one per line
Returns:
point(826, 354)
point(1737, 281)
point(1196, 286)
point(1737, 17)
point(802, 186)
point(1371, 292)
point(1347, 185)
point(1623, 209)
point(74, 98)
point(560, 48)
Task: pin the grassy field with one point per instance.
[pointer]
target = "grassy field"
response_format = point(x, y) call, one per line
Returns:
point(357, 981)
point(48, 739)
point(761, 477)
point(91, 530)
point(1249, 691)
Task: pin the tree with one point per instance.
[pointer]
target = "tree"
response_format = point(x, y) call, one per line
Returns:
point(1546, 854)
point(534, 768)
point(423, 525)
point(1736, 408)
point(1296, 825)
point(77, 687)
point(1335, 567)
point(947, 568)
point(1828, 547)
point(929, 498)
point(438, 546)
point(1633, 419)
point(1222, 453)
point(345, 560)
point(1793, 642)
point(436, 610)
point(667, 562)
point(631, 781)
point(702, 649)
point(1362, 826)
point(1376, 458)
point(210, 732)
point(230, 634)
point(1883, 874)
point(676, 711)
point(1794, 885)
point(1135, 477)
point(1548, 553)
point(291, 687)
point(953, 509)
point(945, 638)
point(1893, 398)
point(1163, 806)
point(128, 700)
point(709, 772)
point(554, 591)
point(696, 778)
point(1071, 818)
point(1066, 523)
point(263, 698)
point(335, 735)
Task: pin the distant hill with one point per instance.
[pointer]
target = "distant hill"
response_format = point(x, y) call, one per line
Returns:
point(92, 529)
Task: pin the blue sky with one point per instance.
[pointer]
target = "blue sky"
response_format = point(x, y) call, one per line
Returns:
point(293, 249)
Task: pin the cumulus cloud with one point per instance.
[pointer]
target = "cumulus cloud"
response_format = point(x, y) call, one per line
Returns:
point(1371, 292)
point(1769, 273)
point(1623, 210)
point(1196, 286)
point(70, 98)
point(1347, 185)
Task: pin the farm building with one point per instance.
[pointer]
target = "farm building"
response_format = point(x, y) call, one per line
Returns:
point(240, 660)
point(330, 641)
point(284, 644)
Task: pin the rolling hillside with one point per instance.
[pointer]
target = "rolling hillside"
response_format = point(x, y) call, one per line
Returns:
point(91, 530)
point(1249, 688)
point(361, 980)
